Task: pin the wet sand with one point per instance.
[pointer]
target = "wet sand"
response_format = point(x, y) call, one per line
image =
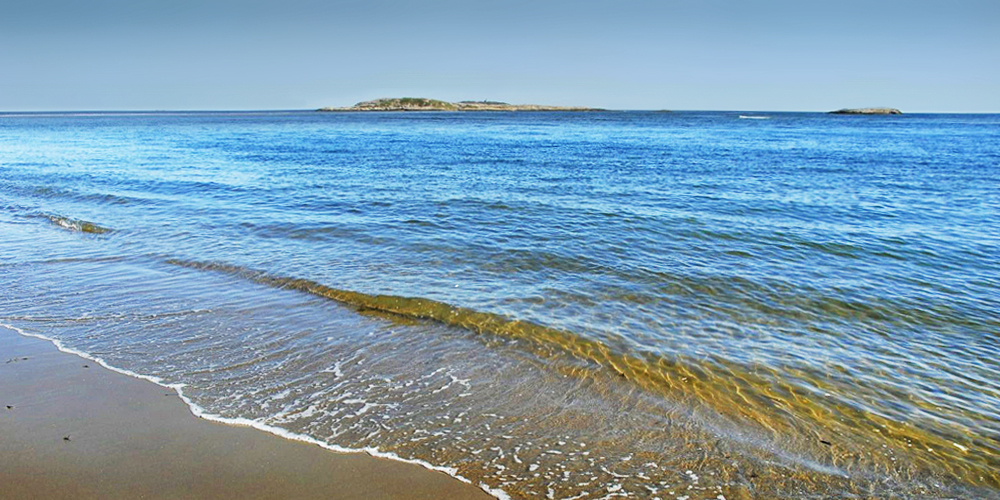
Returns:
point(77, 430)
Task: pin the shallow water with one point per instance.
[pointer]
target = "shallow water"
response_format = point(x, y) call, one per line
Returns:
point(573, 305)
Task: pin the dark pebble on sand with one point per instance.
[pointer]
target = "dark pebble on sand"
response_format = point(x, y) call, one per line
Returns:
point(86, 366)
point(825, 442)
point(66, 438)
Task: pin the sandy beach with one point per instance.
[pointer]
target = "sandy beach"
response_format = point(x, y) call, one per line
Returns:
point(70, 429)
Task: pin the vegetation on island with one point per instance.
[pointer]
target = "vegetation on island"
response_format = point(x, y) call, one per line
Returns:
point(867, 111)
point(424, 104)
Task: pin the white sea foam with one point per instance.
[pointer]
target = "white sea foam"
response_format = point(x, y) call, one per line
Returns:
point(200, 412)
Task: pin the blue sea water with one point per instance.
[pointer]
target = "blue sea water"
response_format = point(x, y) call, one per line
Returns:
point(565, 304)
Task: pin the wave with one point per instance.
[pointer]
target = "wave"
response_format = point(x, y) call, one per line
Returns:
point(76, 224)
point(46, 190)
point(754, 117)
point(201, 412)
point(816, 414)
point(782, 405)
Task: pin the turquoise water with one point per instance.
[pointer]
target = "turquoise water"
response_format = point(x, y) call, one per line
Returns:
point(803, 306)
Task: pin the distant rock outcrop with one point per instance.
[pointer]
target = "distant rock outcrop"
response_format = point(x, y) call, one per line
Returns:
point(867, 111)
point(422, 104)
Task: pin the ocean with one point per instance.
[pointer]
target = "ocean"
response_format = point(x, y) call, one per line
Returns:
point(687, 305)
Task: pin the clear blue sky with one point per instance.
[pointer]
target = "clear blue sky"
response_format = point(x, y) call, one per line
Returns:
point(916, 55)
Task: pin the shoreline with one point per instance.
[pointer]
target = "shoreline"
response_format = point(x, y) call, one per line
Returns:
point(76, 428)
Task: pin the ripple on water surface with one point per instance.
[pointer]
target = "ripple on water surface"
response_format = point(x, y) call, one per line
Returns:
point(511, 406)
point(654, 305)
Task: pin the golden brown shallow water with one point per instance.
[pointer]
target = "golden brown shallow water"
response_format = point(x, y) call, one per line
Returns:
point(839, 438)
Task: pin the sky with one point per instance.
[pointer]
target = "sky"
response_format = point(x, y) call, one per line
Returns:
point(774, 55)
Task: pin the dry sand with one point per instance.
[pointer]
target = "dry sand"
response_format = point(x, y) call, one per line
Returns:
point(132, 439)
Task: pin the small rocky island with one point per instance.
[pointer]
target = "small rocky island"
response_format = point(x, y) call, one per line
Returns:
point(867, 111)
point(422, 104)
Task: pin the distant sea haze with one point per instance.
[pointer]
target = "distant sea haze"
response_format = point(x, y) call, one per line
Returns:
point(549, 304)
